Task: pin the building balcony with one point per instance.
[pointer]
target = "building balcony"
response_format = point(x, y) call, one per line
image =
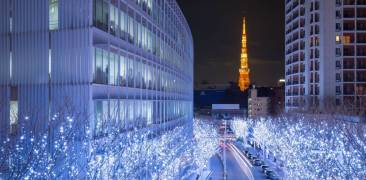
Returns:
point(361, 2)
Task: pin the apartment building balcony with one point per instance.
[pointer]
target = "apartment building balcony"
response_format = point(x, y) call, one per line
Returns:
point(348, 76)
point(348, 51)
point(361, 63)
point(348, 2)
point(361, 76)
point(361, 12)
point(361, 50)
point(348, 89)
point(348, 64)
point(348, 25)
point(361, 2)
point(348, 13)
point(361, 25)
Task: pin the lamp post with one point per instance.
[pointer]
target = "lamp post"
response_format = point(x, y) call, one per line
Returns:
point(225, 168)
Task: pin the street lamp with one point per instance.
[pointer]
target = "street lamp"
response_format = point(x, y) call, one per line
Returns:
point(225, 170)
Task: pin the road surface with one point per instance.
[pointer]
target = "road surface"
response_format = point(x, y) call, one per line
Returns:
point(238, 167)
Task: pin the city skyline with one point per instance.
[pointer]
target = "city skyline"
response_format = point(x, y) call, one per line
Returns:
point(182, 89)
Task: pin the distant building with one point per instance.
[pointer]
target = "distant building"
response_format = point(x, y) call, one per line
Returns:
point(208, 94)
point(226, 111)
point(266, 101)
point(277, 106)
point(258, 104)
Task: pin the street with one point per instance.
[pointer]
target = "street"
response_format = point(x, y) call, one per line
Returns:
point(238, 167)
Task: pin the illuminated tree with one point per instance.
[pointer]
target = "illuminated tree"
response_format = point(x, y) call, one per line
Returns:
point(311, 147)
point(64, 151)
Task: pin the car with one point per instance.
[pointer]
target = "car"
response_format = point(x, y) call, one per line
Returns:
point(268, 171)
point(257, 163)
point(273, 176)
point(253, 160)
point(265, 168)
point(250, 157)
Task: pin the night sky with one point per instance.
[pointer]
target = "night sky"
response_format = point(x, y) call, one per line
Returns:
point(217, 26)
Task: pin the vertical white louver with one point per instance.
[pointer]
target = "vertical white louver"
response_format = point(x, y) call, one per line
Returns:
point(4, 43)
point(30, 42)
point(4, 112)
point(33, 103)
point(71, 44)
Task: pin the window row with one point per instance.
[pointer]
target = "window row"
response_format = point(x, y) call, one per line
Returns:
point(128, 71)
point(352, 89)
point(135, 29)
point(125, 114)
point(351, 63)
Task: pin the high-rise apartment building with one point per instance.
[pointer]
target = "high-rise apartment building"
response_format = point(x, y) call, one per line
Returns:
point(325, 53)
point(125, 61)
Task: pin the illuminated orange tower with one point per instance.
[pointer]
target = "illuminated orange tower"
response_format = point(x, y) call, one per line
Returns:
point(244, 80)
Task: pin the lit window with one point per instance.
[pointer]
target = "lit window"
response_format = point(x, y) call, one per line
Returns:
point(13, 116)
point(338, 39)
point(53, 14)
point(346, 39)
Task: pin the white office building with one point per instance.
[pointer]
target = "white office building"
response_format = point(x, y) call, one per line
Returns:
point(126, 61)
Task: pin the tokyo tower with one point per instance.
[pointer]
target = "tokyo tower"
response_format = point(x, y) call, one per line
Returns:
point(244, 80)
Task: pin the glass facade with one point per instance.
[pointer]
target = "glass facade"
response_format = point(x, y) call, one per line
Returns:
point(154, 72)
point(125, 114)
point(126, 70)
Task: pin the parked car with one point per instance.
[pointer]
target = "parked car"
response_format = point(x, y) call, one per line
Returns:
point(257, 163)
point(253, 160)
point(246, 151)
point(273, 176)
point(265, 167)
point(251, 157)
point(267, 171)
